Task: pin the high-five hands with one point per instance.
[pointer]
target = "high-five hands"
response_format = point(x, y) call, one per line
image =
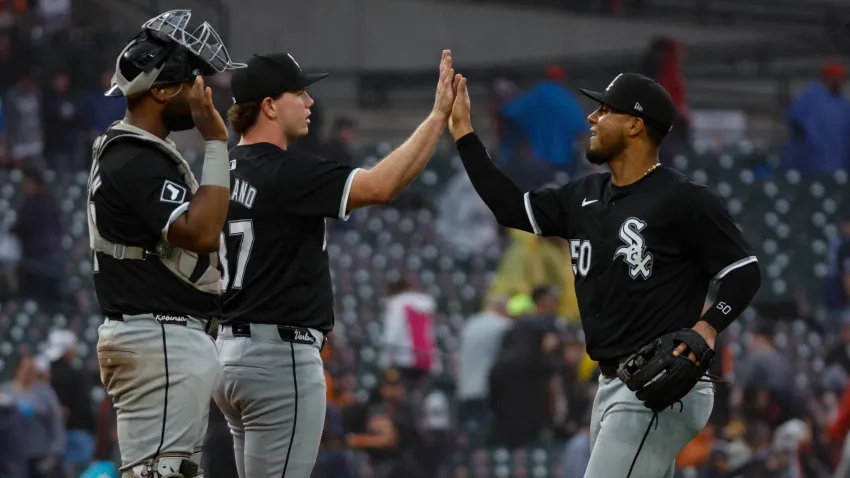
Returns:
point(444, 97)
point(452, 99)
point(460, 122)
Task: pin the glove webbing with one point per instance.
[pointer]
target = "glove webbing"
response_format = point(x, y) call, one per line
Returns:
point(654, 420)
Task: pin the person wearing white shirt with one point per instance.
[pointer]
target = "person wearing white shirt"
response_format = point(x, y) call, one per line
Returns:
point(408, 339)
point(480, 341)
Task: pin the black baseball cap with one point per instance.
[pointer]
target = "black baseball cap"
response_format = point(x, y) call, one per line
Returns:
point(637, 95)
point(269, 75)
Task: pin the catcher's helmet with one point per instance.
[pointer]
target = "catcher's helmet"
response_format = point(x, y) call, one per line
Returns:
point(166, 53)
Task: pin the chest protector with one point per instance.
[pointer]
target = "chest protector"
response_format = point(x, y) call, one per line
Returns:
point(199, 271)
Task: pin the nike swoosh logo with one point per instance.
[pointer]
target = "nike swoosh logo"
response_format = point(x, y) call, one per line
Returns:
point(585, 202)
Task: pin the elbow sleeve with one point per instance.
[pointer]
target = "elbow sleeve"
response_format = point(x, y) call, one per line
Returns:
point(736, 291)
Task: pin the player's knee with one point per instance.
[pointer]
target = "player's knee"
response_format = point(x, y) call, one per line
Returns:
point(166, 466)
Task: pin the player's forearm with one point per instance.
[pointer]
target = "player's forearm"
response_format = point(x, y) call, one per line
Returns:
point(394, 173)
point(735, 293)
point(199, 228)
point(499, 192)
point(204, 220)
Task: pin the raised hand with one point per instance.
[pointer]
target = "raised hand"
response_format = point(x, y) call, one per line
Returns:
point(444, 97)
point(207, 120)
point(460, 122)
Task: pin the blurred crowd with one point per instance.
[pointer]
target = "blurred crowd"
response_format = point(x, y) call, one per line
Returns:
point(51, 426)
point(519, 378)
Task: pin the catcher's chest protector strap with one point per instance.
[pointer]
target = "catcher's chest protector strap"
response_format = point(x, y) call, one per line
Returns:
point(180, 262)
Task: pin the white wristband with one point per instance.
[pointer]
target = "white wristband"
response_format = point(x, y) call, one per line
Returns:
point(216, 170)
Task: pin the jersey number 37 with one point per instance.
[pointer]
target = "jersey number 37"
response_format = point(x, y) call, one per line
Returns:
point(245, 229)
point(580, 252)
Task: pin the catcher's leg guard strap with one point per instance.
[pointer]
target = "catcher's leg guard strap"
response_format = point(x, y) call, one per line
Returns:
point(166, 467)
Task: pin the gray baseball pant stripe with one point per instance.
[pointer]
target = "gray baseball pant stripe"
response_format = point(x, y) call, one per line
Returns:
point(158, 413)
point(273, 395)
point(619, 420)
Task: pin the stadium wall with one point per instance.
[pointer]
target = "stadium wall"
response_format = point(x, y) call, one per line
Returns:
point(408, 34)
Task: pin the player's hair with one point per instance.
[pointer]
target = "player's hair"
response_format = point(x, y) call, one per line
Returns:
point(654, 133)
point(242, 116)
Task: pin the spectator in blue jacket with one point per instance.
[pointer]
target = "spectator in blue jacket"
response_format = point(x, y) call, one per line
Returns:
point(819, 125)
point(550, 119)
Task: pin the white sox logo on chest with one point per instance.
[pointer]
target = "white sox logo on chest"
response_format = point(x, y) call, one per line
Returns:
point(634, 252)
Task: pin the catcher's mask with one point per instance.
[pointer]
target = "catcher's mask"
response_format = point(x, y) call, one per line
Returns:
point(165, 52)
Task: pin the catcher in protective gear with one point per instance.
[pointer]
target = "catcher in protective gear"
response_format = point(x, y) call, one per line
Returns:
point(661, 374)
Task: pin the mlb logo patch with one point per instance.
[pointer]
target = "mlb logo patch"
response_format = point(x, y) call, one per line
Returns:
point(172, 192)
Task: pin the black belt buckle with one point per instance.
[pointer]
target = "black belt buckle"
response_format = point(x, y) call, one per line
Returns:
point(296, 335)
point(241, 330)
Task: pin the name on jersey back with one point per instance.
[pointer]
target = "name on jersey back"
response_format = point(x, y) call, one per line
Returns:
point(243, 193)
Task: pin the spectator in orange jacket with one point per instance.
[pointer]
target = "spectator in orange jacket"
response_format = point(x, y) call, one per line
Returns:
point(696, 453)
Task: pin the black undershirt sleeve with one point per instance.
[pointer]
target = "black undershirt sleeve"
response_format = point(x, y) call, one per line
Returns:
point(736, 291)
point(499, 192)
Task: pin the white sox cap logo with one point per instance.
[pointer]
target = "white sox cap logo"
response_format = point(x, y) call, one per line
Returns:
point(634, 252)
point(613, 81)
point(293, 61)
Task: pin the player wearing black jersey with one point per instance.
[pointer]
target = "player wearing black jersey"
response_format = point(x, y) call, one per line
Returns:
point(278, 307)
point(156, 234)
point(645, 244)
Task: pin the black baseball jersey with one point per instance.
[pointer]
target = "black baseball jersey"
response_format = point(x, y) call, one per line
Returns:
point(278, 270)
point(643, 255)
point(137, 193)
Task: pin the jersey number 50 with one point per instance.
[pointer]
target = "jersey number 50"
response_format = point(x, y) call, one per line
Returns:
point(244, 228)
point(580, 255)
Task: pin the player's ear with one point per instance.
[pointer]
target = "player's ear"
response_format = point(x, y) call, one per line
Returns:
point(269, 108)
point(161, 94)
point(635, 126)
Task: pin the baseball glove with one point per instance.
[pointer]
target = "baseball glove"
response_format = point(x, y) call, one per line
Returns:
point(660, 379)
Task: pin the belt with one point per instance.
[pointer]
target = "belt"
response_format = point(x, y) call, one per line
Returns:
point(609, 367)
point(164, 319)
point(287, 333)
